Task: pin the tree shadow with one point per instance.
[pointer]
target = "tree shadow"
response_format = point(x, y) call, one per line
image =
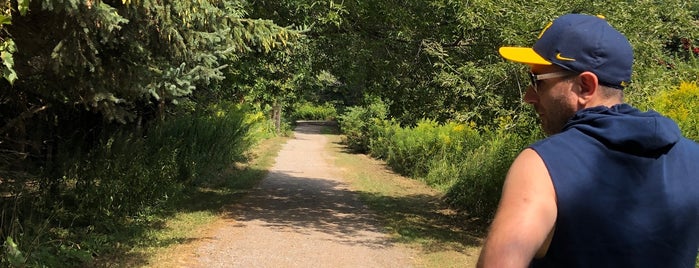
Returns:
point(216, 198)
point(316, 127)
point(302, 204)
point(305, 205)
point(426, 219)
point(286, 201)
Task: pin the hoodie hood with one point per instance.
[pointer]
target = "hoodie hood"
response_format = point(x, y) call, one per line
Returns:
point(624, 128)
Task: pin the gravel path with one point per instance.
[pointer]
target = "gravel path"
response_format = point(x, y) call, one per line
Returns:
point(302, 215)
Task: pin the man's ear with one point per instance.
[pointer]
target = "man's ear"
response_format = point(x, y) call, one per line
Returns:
point(588, 86)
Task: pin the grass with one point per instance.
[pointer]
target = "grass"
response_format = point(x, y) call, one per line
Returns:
point(412, 212)
point(161, 243)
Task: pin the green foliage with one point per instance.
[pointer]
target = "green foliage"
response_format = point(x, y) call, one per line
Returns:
point(443, 64)
point(6, 50)
point(381, 140)
point(77, 53)
point(411, 151)
point(360, 123)
point(12, 255)
point(35, 243)
point(438, 58)
point(119, 177)
point(126, 178)
point(411, 148)
point(682, 105)
point(8, 47)
point(112, 107)
point(207, 144)
point(129, 172)
point(468, 164)
point(308, 111)
point(460, 140)
point(166, 71)
point(59, 253)
point(479, 178)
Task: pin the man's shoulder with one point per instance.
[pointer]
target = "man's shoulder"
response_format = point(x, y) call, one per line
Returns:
point(688, 146)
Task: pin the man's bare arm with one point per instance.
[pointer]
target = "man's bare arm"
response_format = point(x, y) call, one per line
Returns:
point(526, 215)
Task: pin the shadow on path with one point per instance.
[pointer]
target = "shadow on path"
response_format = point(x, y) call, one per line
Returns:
point(305, 205)
point(302, 215)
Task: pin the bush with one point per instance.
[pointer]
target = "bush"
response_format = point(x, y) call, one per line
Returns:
point(123, 180)
point(308, 111)
point(682, 105)
point(359, 124)
point(128, 172)
point(460, 140)
point(412, 148)
point(411, 151)
point(467, 164)
point(119, 177)
point(205, 144)
point(382, 141)
point(480, 176)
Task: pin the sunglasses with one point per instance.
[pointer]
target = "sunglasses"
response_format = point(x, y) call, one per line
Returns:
point(535, 78)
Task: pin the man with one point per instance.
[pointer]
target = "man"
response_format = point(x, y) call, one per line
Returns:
point(610, 186)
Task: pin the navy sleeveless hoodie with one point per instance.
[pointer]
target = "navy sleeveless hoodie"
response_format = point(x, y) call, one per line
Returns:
point(627, 187)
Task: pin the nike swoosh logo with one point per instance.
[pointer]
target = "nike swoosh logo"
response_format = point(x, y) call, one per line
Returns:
point(560, 57)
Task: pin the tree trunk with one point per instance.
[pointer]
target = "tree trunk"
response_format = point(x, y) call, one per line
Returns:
point(277, 117)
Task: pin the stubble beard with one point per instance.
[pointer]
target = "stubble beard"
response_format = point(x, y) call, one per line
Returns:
point(556, 117)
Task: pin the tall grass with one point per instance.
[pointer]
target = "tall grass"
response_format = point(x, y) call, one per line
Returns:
point(413, 151)
point(479, 178)
point(466, 163)
point(309, 111)
point(129, 172)
point(126, 179)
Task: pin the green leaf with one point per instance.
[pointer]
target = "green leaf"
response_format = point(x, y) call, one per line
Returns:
point(23, 6)
point(5, 20)
point(14, 255)
point(10, 75)
point(8, 62)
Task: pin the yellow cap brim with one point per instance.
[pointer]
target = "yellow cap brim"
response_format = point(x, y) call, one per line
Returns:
point(523, 55)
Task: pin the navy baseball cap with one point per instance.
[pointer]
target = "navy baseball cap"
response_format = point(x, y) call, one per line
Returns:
point(580, 43)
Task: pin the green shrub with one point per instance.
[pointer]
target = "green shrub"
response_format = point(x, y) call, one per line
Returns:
point(479, 173)
point(381, 142)
point(443, 172)
point(467, 164)
point(682, 105)
point(459, 141)
point(412, 147)
point(205, 144)
point(480, 176)
point(359, 124)
point(124, 180)
point(126, 173)
point(411, 151)
point(309, 111)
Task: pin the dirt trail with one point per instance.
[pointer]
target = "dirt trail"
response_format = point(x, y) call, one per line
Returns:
point(302, 215)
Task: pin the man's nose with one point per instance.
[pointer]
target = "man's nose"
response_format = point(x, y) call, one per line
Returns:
point(530, 96)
